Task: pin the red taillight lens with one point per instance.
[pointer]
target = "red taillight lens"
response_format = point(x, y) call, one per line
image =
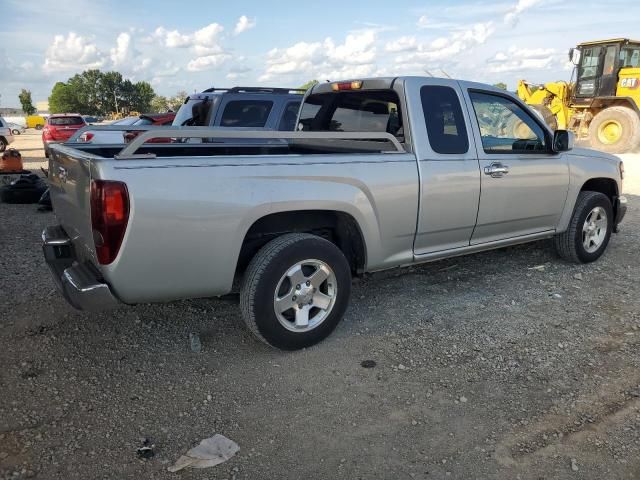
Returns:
point(46, 134)
point(340, 86)
point(109, 217)
point(86, 137)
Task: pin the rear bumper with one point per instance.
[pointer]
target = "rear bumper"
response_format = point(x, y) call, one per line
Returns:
point(78, 282)
point(620, 210)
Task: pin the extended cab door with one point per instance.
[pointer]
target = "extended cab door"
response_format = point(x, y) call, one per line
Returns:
point(447, 162)
point(523, 183)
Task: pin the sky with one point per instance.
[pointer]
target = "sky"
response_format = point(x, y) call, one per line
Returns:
point(194, 45)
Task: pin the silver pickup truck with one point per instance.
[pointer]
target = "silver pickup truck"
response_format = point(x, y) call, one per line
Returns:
point(381, 173)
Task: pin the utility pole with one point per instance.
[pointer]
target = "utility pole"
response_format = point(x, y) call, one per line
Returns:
point(115, 99)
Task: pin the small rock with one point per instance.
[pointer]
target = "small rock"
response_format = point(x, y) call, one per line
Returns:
point(463, 399)
point(574, 465)
point(414, 423)
point(368, 364)
point(401, 367)
point(578, 276)
point(194, 341)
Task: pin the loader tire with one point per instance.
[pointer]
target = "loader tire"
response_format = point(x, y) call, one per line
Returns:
point(548, 117)
point(615, 130)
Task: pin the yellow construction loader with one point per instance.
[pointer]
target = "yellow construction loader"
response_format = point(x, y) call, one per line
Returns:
point(603, 103)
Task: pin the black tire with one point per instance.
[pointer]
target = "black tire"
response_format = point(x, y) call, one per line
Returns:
point(548, 117)
point(15, 131)
point(569, 244)
point(263, 276)
point(628, 122)
point(39, 127)
point(3, 144)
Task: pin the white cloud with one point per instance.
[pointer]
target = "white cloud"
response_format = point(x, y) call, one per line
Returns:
point(423, 22)
point(207, 62)
point(204, 39)
point(121, 54)
point(72, 52)
point(244, 23)
point(447, 48)
point(521, 59)
point(328, 57)
point(402, 44)
point(513, 15)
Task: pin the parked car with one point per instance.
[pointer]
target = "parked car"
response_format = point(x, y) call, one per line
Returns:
point(36, 121)
point(16, 129)
point(119, 136)
point(89, 119)
point(241, 107)
point(386, 172)
point(60, 128)
point(6, 135)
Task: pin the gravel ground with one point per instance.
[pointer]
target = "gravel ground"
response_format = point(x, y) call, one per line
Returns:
point(503, 365)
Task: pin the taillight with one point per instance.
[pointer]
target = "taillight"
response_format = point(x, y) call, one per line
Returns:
point(340, 86)
point(46, 134)
point(86, 137)
point(109, 217)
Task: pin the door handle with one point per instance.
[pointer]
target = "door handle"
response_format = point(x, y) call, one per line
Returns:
point(496, 170)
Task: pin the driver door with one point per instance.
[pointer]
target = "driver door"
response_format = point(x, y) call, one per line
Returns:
point(523, 185)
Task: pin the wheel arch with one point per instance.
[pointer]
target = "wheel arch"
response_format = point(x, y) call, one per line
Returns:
point(607, 102)
point(339, 227)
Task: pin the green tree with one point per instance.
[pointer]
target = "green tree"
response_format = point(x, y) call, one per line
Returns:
point(159, 104)
point(27, 103)
point(500, 85)
point(309, 84)
point(142, 96)
point(177, 100)
point(63, 99)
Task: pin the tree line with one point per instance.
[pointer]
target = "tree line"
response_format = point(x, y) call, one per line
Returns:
point(93, 92)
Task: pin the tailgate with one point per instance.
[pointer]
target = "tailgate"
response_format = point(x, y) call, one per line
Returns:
point(62, 133)
point(70, 188)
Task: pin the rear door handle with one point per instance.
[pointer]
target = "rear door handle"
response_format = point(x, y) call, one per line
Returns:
point(496, 170)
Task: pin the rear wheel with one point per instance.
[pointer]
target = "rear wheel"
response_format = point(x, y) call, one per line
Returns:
point(295, 291)
point(15, 131)
point(615, 130)
point(587, 236)
point(39, 127)
point(3, 144)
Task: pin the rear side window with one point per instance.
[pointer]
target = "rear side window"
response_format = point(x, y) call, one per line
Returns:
point(246, 113)
point(445, 123)
point(362, 111)
point(288, 120)
point(195, 112)
point(66, 121)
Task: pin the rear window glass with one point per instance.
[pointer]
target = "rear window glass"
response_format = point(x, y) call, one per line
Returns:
point(143, 121)
point(445, 124)
point(364, 111)
point(66, 121)
point(195, 112)
point(288, 120)
point(246, 113)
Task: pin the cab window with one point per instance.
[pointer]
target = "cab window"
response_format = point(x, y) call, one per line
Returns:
point(630, 57)
point(246, 113)
point(443, 116)
point(505, 127)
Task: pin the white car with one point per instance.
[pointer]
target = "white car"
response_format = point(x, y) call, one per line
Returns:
point(105, 136)
point(6, 135)
point(16, 129)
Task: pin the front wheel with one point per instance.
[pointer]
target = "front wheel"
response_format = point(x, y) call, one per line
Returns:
point(3, 144)
point(39, 127)
point(295, 291)
point(587, 236)
point(15, 131)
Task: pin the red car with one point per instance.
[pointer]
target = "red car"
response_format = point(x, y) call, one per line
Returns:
point(59, 128)
point(155, 119)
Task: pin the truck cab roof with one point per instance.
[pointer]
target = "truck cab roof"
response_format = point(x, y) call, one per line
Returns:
point(241, 107)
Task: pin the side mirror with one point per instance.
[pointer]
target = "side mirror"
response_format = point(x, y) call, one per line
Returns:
point(563, 141)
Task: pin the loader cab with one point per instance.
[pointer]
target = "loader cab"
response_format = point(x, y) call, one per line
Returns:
point(598, 66)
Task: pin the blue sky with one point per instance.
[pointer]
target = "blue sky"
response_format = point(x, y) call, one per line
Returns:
point(193, 45)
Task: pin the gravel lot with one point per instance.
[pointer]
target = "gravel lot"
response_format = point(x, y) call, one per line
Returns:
point(485, 367)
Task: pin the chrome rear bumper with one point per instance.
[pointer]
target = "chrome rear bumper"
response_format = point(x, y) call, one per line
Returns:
point(78, 282)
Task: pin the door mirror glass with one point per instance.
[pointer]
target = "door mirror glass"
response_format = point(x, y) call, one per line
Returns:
point(563, 141)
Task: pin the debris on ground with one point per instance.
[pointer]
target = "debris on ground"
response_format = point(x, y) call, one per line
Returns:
point(211, 452)
point(538, 268)
point(368, 364)
point(146, 451)
point(195, 343)
point(574, 465)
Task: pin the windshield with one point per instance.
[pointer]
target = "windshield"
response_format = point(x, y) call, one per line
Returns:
point(195, 112)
